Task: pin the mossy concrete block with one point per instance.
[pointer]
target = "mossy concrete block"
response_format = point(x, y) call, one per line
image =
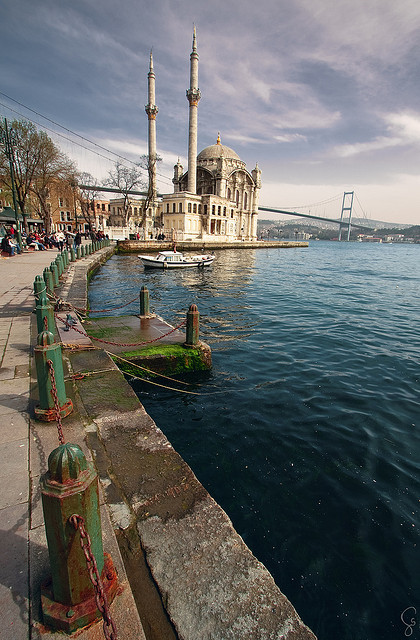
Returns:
point(105, 392)
point(168, 359)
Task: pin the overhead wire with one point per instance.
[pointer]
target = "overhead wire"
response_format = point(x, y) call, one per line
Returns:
point(95, 144)
point(314, 204)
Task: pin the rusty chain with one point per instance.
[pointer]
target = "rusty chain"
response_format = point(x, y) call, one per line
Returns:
point(121, 344)
point(110, 631)
point(61, 439)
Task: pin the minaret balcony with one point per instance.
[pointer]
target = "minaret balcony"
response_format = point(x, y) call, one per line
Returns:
point(193, 96)
point(151, 110)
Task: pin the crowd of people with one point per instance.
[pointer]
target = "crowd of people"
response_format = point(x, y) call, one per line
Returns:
point(42, 241)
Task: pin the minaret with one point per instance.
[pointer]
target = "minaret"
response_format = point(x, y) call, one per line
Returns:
point(152, 110)
point(193, 96)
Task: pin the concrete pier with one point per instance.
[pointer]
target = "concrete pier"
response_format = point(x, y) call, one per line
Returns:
point(152, 246)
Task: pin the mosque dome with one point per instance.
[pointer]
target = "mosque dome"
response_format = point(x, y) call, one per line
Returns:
point(218, 150)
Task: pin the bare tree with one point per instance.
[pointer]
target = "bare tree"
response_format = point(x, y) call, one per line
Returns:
point(126, 179)
point(38, 164)
point(53, 166)
point(149, 163)
point(87, 197)
point(26, 157)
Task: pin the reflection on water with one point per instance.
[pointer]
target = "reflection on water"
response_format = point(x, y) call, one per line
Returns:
point(307, 429)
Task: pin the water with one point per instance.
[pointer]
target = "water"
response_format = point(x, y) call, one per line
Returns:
point(307, 429)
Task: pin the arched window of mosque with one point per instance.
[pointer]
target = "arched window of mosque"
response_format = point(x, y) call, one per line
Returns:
point(231, 213)
point(213, 209)
point(189, 207)
point(174, 207)
point(195, 207)
point(180, 207)
point(199, 208)
point(205, 209)
point(167, 207)
point(219, 210)
point(135, 211)
point(229, 194)
point(224, 211)
point(245, 201)
point(237, 199)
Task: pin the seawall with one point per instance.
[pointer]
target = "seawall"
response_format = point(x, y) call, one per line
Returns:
point(133, 246)
point(192, 575)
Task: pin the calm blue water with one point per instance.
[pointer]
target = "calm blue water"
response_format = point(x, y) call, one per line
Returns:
point(307, 429)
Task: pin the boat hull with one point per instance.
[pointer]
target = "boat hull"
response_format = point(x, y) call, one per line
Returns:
point(153, 263)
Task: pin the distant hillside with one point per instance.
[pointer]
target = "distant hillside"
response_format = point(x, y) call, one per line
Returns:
point(321, 224)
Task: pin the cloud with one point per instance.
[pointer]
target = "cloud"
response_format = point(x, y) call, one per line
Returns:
point(402, 129)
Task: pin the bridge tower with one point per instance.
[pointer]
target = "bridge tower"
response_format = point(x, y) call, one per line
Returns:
point(346, 206)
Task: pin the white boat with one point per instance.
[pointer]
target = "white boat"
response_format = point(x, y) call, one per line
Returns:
point(176, 260)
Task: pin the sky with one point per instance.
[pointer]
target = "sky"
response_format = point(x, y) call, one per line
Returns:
point(323, 94)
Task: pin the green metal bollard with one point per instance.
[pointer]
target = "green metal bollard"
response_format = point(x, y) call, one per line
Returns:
point(39, 287)
point(79, 252)
point(54, 271)
point(72, 255)
point(49, 351)
point(193, 326)
point(44, 310)
point(144, 301)
point(60, 265)
point(49, 281)
point(65, 255)
point(69, 489)
point(83, 250)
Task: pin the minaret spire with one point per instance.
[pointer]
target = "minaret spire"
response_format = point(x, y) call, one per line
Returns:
point(193, 96)
point(152, 110)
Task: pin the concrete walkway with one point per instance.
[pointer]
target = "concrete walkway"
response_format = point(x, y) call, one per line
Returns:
point(16, 304)
point(22, 538)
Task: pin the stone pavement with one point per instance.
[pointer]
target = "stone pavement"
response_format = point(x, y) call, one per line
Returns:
point(16, 303)
point(23, 553)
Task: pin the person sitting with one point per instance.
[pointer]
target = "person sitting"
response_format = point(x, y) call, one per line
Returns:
point(7, 246)
point(15, 245)
point(31, 240)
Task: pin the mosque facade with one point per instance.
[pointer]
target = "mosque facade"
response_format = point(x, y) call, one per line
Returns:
point(216, 198)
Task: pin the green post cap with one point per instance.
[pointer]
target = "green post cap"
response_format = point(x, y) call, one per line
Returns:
point(45, 338)
point(66, 463)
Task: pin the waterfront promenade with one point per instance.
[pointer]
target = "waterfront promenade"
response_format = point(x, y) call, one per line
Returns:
point(24, 449)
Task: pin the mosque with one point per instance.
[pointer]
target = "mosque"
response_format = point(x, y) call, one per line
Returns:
point(216, 198)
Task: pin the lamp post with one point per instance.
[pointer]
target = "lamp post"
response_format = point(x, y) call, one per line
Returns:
point(9, 139)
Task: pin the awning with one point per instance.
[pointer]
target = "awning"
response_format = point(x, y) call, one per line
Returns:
point(8, 215)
